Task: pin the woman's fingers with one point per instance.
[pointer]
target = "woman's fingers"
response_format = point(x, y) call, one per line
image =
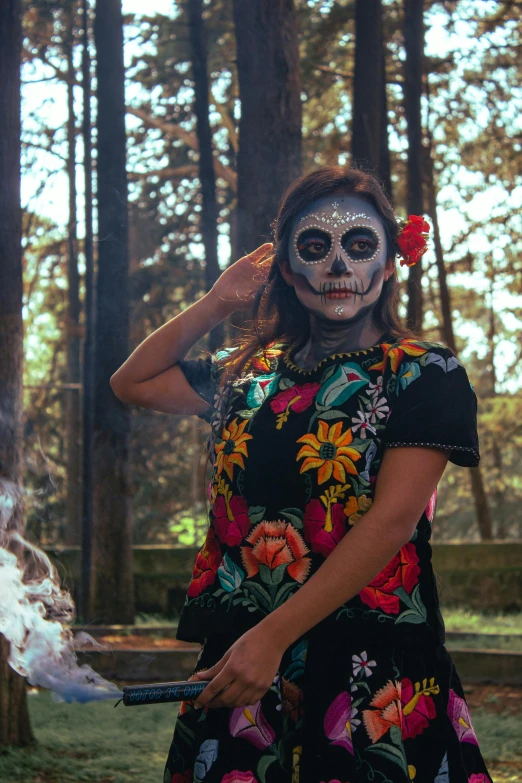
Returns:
point(247, 698)
point(267, 260)
point(260, 252)
point(215, 686)
point(229, 697)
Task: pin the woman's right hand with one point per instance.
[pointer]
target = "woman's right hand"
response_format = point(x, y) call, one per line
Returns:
point(236, 287)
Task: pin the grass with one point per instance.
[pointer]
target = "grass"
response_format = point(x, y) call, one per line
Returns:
point(152, 620)
point(94, 743)
point(499, 738)
point(456, 620)
point(463, 620)
point(483, 643)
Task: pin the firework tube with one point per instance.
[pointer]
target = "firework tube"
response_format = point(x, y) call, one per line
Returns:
point(162, 692)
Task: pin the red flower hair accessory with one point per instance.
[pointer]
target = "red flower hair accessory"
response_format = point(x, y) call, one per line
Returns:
point(413, 240)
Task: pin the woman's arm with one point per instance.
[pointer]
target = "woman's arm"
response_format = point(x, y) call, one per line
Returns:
point(150, 377)
point(406, 481)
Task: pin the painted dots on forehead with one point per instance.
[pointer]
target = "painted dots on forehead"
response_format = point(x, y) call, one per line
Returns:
point(338, 211)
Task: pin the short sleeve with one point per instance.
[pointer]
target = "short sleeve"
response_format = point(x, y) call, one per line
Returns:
point(201, 375)
point(432, 403)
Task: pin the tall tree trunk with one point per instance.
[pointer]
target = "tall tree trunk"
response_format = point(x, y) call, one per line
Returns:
point(72, 410)
point(481, 503)
point(112, 584)
point(498, 471)
point(480, 498)
point(448, 334)
point(88, 345)
point(384, 139)
point(15, 727)
point(269, 156)
point(367, 84)
point(207, 177)
point(413, 69)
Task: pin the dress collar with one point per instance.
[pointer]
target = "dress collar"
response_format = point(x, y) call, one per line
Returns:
point(384, 342)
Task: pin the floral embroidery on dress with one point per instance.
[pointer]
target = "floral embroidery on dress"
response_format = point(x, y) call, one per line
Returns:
point(342, 414)
point(295, 460)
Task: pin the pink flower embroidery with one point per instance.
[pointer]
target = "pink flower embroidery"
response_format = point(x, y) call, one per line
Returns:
point(337, 722)
point(237, 776)
point(417, 706)
point(323, 537)
point(479, 777)
point(297, 397)
point(430, 508)
point(231, 532)
point(460, 718)
point(250, 723)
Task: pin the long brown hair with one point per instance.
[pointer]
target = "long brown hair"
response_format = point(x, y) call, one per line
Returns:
point(277, 313)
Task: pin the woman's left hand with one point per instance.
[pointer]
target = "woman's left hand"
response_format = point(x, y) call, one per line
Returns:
point(247, 670)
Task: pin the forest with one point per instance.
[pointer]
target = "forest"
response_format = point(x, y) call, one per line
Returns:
point(188, 123)
point(144, 147)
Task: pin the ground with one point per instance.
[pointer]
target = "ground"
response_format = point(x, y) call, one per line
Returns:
point(96, 743)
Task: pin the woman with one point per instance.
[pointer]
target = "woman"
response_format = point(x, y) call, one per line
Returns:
point(313, 595)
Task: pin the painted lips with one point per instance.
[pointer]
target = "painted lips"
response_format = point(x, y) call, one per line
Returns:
point(339, 295)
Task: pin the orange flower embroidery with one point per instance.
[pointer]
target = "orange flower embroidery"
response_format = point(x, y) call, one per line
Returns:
point(396, 354)
point(380, 365)
point(387, 700)
point(275, 543)
point(264, 361)
point(232, 448)
point(329, 451)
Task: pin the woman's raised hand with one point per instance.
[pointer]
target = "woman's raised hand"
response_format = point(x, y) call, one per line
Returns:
point(236, 287)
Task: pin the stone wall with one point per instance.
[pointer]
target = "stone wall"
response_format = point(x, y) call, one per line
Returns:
point(480, 576)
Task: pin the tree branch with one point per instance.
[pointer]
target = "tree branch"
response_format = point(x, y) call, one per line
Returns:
point(175, 131)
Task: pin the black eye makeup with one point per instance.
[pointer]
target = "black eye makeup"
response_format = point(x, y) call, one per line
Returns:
point(313, 245)
point(360, 244)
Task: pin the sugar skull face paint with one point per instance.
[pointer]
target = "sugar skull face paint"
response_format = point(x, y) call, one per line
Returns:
point(338, 256)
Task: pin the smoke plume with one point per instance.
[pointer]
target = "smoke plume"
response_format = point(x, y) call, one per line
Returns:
point(35, 615)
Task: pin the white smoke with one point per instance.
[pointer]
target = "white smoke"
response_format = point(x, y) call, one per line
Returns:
point(35, 613)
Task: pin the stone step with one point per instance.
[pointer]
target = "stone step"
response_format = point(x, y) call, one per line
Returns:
point(169, 632)
point(150, 665)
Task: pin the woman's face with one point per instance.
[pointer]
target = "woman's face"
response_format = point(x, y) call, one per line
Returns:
point(338, 257)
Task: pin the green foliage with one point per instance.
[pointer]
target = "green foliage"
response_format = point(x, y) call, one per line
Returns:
point(472, 109)
point(190, 530)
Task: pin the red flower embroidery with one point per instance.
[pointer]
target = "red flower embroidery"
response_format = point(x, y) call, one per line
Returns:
point(320, 539)
point(417, 706)
point(231, 532)
point(274, 543)
point(292, 698)
point(207, 563)
point(412, 240)
point(401, 571)
point(182, 777)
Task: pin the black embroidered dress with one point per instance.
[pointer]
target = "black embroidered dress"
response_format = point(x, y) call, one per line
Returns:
point(370, 693)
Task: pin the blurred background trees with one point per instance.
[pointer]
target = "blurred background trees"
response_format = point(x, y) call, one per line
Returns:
point(227, 102)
